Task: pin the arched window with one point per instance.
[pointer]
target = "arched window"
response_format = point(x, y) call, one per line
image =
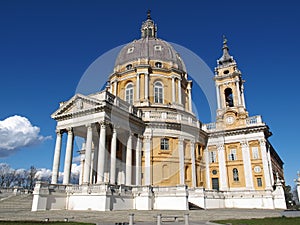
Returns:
point(235, 173)
point(229, 97)
point(158, 64)
point(129, 66)
point(158, 92)
point(129, 93)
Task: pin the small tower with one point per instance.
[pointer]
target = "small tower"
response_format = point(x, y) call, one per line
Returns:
point(230, 91)
point(148, 29)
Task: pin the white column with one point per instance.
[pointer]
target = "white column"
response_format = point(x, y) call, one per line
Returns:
point(238, 92)
point(113, 156)
point(222, 168)
point(173, 90)
point(206, 157)
point(270, 167)
point(243, 97)
point(190, 99)
point(138, 87)
point(146, 87)
point(101, 154)
point(129, 160)
point(247, 165)
point(179, 92)
point(192, 149)
point(218, 96)
point(264, 159)
point(181, 160)
point(95, 160)
point(56, 160)
point(68, 157)
point(147, 177)
point(88, 154)
point(115, 86)
point(138, 163)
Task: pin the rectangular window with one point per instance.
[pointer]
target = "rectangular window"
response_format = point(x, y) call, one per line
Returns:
point(259, 182)
point(164, 144)
point(212, 157)
point(215, 183)
point(232, 155)
point(255, 153)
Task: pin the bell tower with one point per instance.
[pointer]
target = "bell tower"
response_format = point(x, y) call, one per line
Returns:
point(231, 112)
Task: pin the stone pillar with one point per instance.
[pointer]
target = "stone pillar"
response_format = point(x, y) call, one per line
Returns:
point(181, 160)
point(146, 87)
point(247, 165)
point(138, 161)
point(238, 92)
point(113, 156)
point(56, 160)
point(298, 186)
point(192, 149)
point(115, 87)
point(101, 154)
point(129, 160)
point(68, 157)
point(270, 167)
point(266, 168)
point(173, 89)
point(138, 87)
point(206, 157)
point(179, 92)
point(222, 168)
point(147, 178)
point(88, 154)
point(190, 98)
point(218, 96)
point(243, 96)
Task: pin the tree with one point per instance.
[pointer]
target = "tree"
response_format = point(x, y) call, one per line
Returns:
point(288, 196)
point(31, 179)
point(6, 175)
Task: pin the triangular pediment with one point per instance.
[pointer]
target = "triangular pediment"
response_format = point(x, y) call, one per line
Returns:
point(77, 104)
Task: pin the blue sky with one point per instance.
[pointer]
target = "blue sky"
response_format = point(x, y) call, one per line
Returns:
point(46, 46)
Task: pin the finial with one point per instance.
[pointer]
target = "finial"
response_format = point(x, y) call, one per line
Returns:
point(224, 40)
point(149, 14)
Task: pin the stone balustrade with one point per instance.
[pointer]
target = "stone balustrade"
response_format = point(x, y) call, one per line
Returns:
point(171, 117)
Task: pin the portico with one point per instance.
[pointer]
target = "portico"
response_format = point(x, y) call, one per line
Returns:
point(105, 135)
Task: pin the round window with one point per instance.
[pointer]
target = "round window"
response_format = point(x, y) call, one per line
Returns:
point(214, 172)
point(257, 169)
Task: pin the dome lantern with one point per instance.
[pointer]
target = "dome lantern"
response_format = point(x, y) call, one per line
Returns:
point(148, 29)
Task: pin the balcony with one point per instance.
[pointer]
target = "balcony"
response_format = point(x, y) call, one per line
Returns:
point(170, 117)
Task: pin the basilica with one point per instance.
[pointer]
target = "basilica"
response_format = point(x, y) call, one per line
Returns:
point(145, 149)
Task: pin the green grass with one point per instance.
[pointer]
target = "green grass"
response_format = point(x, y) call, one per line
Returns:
point(265, 221)
point(42, 222)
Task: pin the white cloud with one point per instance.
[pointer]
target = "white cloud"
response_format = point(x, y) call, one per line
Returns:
point(17, 132)
point(43, 173)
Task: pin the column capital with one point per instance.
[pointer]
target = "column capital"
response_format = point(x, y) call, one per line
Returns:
point(180, 140)
point(262, 142)
point(192, 142)
point(220, 146)
point(69, 130)
point(103, 124)
point(244, 144)
point(58, 131)
point(89, 125)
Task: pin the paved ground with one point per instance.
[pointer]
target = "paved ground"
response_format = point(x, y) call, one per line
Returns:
point(18, 208)
point(141, 217)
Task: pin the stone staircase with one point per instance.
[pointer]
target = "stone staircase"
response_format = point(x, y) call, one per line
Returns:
point(16, 202)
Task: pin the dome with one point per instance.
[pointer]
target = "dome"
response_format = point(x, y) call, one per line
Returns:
point(150, 48)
